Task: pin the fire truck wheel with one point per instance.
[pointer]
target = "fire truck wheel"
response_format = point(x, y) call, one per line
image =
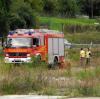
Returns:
point(39, 58)
point(49, 66)
point(55, 63)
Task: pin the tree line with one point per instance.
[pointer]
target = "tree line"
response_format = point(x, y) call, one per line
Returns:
point(23, 13)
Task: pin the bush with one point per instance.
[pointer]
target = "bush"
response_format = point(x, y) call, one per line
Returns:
point(79, 28)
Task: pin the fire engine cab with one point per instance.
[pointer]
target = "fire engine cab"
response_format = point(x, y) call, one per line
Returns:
point(22, 44)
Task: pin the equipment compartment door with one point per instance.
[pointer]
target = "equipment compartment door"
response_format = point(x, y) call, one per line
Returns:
point(61, 46)
point(55, 46)
point(50, 50)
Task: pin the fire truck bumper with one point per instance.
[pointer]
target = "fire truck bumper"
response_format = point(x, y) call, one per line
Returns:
point(17, 60)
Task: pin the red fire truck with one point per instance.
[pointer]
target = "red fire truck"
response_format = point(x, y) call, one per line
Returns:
point(22, 44)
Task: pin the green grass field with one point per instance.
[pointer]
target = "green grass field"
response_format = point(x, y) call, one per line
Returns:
point(85, 38)
point(67, 21)
point(38, 79)
point(57, 23)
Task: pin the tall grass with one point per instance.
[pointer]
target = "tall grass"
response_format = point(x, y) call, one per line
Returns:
point(85, 38)
point(36, 78)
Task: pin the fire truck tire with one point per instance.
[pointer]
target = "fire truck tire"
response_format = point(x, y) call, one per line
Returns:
point(54, 65)
point(49, 66)
point(39, 58)
point(55, 62)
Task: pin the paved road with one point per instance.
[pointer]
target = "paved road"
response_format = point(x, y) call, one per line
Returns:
point(40, 97)
point(29, 97)
point(86, 98)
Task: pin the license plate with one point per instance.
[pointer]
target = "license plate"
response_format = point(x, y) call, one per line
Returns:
point(17, 60)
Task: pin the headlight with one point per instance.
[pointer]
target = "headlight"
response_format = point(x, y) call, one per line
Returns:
point(6, 59)
point(28, 55)
point(7, 55)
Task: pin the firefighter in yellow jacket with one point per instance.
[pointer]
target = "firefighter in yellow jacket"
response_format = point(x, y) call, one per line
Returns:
point(82, 57)
point(88, 56)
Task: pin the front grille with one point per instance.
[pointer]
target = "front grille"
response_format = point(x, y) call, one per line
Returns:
point(17, 54)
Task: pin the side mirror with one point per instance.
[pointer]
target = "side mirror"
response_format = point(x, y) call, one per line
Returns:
point(33, 45)
point(7, 45)
point(4, 45)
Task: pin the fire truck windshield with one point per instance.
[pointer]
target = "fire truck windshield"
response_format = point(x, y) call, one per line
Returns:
point(19, 42)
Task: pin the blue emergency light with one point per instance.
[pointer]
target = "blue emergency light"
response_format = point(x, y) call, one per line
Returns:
point(30, 33)
point(11, 32)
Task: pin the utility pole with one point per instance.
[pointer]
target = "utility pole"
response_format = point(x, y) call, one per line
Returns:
point(92, 8)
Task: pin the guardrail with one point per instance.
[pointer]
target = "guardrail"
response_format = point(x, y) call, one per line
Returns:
point(74, 45)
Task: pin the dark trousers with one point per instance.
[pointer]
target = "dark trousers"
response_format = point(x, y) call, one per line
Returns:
point(87, 61)
point(82, 61)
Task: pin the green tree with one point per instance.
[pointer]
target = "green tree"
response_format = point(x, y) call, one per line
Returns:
point(96, 7)
point(22, 11)
point(16, 14)
point(68, 8)
point(6, 4)
point(4, 26)
point(50, 7)
point(36, 5)
point(89, 7)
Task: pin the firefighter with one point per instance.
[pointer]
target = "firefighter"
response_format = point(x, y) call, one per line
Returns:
point(88, 56)
point(82, 57)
